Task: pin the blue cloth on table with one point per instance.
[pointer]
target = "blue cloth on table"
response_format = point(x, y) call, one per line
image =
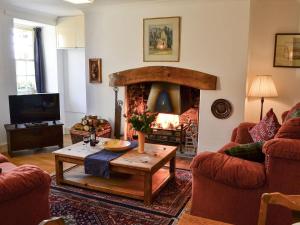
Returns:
point(97, 164)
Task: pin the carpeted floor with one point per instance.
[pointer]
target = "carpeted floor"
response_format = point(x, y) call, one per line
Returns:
point(86, 207)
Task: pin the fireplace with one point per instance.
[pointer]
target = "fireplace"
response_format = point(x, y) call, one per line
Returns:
point(173, 93)
point(169, 129)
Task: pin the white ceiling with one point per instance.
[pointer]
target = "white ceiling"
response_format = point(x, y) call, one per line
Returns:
point(58, 7)
point(62, 8)
point(50, 7)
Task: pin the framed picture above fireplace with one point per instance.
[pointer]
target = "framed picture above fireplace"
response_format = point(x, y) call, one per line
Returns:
point(287, 50)
point(162, 39)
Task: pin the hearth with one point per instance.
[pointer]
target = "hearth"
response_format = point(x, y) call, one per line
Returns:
point(172, 92)
point(172, 136)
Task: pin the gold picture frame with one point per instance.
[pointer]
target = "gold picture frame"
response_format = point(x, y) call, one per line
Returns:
point(161, 37)
point(95, 70)
point(287, 50)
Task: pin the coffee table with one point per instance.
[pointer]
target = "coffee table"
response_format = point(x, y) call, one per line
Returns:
point(134, 175)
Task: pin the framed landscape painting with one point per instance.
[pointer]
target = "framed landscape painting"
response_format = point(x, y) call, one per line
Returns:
point(162, 39)
point(287, 50)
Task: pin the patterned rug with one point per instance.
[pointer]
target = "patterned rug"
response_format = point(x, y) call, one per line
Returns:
point(85, 207)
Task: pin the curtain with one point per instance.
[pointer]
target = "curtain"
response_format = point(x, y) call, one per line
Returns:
point(39, 60)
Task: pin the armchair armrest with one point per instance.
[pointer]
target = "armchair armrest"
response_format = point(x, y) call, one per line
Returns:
point(229, 170)
point(283, 148)
point(241, 133)
point(22, 180)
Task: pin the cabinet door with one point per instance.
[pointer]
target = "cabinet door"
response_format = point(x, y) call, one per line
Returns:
point(80, 32)
point(70, 32)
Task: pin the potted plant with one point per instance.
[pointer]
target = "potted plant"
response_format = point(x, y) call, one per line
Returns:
point(141, 123)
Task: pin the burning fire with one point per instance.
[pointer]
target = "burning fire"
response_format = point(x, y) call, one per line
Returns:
point(166, 121)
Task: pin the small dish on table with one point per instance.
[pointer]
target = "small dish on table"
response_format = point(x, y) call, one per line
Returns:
point(116, 145)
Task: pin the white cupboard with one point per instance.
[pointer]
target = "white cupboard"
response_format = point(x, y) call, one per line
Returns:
point(70, 32)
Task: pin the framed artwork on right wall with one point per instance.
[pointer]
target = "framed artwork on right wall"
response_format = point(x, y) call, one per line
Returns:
point(287, 50)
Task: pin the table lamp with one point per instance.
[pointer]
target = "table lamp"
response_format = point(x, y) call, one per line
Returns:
point(263, 87)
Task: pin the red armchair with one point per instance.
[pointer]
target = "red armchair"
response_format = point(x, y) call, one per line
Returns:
point(229, 189)
point(24, 194)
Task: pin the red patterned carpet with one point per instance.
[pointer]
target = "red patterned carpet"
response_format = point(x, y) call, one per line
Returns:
point(85, 207)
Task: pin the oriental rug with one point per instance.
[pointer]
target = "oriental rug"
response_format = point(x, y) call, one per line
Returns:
point(86, 207)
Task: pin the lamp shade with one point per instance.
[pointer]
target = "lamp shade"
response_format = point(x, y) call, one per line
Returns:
point(263, 86)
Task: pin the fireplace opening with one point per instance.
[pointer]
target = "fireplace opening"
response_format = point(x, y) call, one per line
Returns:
point(166, 121)
point(178, 125)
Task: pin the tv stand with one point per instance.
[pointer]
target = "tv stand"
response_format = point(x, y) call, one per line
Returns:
point(21, 137)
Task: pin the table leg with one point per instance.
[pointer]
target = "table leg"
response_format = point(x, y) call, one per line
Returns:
point(172, 167)
point(59, 170)
point(148, 188)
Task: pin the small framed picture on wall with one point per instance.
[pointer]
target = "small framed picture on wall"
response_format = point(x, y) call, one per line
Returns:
point(287, 50)
point(95, 70)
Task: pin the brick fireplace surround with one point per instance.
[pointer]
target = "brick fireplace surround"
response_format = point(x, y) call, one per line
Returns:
point(138, 83)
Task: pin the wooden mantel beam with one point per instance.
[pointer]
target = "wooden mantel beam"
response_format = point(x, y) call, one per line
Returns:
point(186, 77)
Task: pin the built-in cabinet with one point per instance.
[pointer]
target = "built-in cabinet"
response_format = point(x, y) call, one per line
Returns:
point(70, 32)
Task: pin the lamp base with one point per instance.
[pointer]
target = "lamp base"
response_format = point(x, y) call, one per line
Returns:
point(262, 107)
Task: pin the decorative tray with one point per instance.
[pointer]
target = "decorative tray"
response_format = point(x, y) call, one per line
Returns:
point(116, 145)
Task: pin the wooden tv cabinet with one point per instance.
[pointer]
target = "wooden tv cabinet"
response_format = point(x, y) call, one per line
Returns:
point(20, 137)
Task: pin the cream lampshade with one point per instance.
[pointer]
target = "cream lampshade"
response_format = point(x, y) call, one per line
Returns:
point(263, 87)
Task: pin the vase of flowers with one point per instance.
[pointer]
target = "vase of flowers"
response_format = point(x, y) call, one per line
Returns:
point(141, 123)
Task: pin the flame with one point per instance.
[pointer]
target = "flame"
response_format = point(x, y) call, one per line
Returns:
point(167, 120)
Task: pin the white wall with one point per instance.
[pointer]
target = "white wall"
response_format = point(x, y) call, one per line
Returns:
point(7, 71)
point(74, 92)
point(268, 18)
point(214, 40)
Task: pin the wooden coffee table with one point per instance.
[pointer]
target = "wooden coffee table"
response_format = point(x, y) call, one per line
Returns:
point(134, 175)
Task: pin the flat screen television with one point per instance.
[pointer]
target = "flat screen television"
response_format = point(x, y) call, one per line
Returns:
point(34, 108)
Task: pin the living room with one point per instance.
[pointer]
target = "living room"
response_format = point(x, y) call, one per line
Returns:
point(99, 62)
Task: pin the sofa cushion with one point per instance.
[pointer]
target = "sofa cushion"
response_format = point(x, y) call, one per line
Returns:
point(228, 146)
point(241, 133)
point(283, 116)
point(291, 111)
point(7, 167)
point(229, 170)
point(290, 129)
point(266, 129)
point(283, 148)
point(295, 114)
point(252, 152)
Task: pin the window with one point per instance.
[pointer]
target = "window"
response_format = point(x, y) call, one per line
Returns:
point(24, 56)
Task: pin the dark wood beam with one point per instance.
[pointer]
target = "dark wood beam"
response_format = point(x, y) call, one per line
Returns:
point(186, 77)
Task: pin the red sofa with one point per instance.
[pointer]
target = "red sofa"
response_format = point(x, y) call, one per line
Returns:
point(228, 189)
point(24, 194)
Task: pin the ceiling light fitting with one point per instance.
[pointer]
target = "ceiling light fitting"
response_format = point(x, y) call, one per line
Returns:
point(80, 1)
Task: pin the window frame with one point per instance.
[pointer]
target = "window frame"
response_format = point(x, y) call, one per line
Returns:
point(30, 89)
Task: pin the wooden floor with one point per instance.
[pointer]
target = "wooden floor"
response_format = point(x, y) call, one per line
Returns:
point(41, 158)
point(187, 219)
